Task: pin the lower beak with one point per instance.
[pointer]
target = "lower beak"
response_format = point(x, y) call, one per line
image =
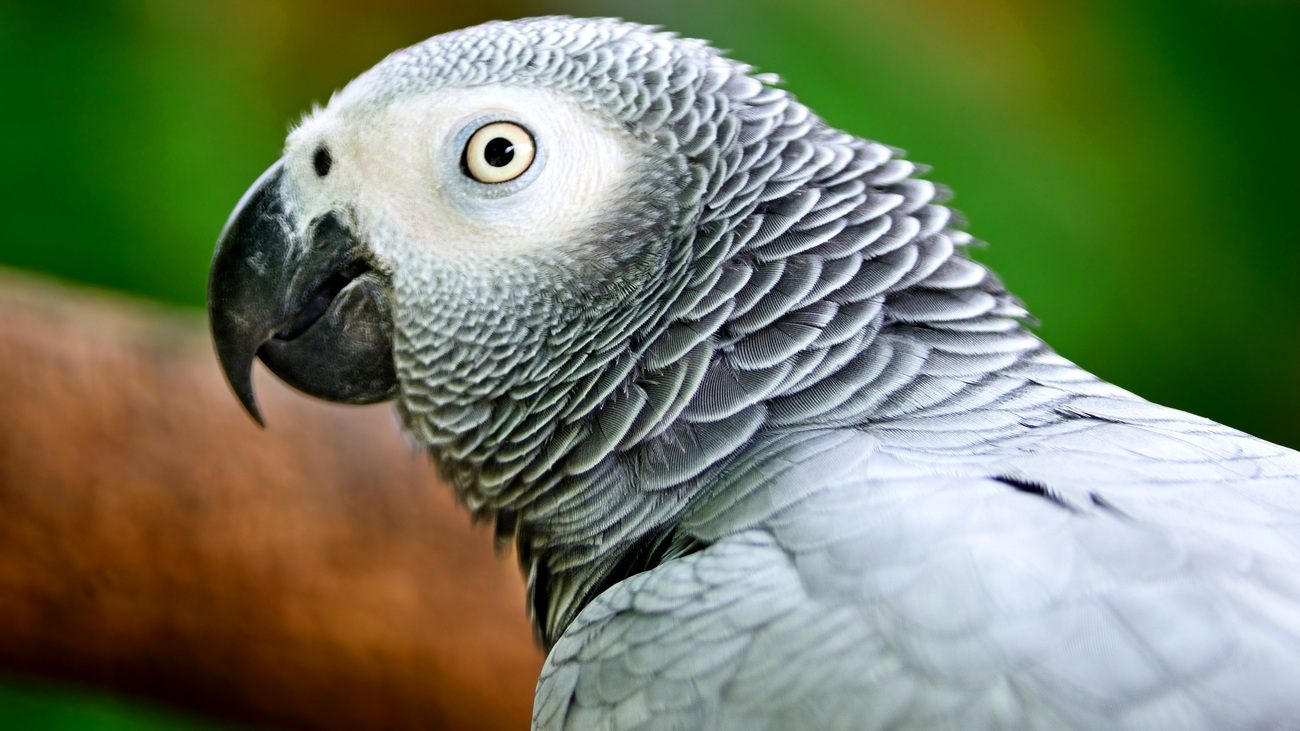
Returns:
point(306, 303)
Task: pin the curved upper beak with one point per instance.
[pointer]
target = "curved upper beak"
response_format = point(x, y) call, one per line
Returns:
point(303, 299)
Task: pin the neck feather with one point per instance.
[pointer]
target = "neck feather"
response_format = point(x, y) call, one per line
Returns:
point(820, 286)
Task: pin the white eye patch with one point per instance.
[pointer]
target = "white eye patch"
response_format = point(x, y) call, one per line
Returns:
point(472, 173)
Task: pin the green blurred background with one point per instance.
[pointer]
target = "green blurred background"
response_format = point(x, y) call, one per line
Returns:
point(1132, 164)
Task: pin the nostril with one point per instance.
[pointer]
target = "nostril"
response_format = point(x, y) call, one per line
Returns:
point(322, 161)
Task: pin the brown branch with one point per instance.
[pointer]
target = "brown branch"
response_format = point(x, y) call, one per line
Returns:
point(154, 540)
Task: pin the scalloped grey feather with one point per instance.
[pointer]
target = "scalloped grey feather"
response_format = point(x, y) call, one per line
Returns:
point(790, 459)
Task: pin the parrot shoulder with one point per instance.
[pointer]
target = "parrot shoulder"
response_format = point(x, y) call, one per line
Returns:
point(729, 637)
point(848, 581)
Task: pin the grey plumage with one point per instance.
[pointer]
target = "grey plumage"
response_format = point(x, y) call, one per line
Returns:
point(761, 314)
point(777, 454)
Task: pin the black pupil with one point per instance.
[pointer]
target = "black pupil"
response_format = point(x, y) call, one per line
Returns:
point(322, 161)
point(499, 152)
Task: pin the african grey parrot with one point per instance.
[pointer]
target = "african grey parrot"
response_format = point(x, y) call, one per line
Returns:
point(775, 453)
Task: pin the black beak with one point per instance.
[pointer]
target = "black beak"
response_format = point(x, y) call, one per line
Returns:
point(307, 304)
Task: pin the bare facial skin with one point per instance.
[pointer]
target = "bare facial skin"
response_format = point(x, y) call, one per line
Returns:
point(401, 168)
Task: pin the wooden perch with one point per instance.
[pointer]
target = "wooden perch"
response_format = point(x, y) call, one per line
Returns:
point(153, 540)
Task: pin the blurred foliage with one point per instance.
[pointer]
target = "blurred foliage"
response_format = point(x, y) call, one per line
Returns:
point(1129, 161)
point(27, 707)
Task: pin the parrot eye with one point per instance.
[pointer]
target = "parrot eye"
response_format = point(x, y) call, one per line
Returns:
point(322, 161)
point(498, 152)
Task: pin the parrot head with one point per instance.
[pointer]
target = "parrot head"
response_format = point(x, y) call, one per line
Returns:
point(452, 219)
point(590, 262)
